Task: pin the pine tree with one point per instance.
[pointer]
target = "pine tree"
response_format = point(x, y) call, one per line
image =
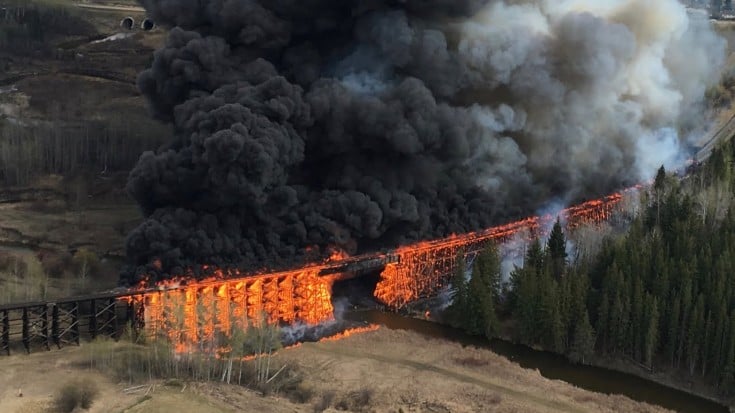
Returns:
point(660, 180)
point(483, 294)
point(650, 338)
point(603, 322)
point(552, 328)
point(525, 308)
point(673, 330)
point(638, 329)
point(457, 311)
point(535, 257)
point(557, 247)
point(583, 344)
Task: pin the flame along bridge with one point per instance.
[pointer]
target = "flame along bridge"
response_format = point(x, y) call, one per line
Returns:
point(191, 314)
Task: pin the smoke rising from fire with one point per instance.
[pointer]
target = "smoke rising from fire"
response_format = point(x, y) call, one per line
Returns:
point(365, 124)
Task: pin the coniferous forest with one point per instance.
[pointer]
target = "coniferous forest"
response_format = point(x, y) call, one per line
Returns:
point(661, 293)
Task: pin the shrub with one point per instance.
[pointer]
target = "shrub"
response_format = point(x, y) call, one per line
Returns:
point(55, 264)
point(298, 392)
point(324, 401)
point(356, 401)
point(79, 393)
point(470, 361)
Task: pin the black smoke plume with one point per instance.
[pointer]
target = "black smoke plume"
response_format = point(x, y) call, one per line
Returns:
point(363, 124)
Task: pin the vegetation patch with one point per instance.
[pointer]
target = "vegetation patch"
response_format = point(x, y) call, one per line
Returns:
point(356, 401)
point(73, 395)
point(244, 358)
point(470, 361)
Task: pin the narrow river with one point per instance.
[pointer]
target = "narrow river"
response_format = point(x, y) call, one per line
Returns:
point(553, 366)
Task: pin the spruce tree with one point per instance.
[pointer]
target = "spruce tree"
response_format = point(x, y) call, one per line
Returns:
point(557, 247)
point(660, 181)
point(650, 339)
point(457, 311)
point(482, 294)
point(526, 304)
point(583, 344)
point(603, 322)
point(535, 257)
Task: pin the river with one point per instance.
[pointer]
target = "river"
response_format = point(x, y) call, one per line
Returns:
point(553, 366)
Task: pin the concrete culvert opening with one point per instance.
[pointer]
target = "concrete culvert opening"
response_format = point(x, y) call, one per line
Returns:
point(127, 23)
point(147, 24)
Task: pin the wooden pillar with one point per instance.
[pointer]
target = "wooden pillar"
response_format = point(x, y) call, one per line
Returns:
point(44, 326)
point(75, 322)
point(26, 331)
point(55, 325)
point(93, 318)
point(6, 332)
point(114, 325)
point(139, 316)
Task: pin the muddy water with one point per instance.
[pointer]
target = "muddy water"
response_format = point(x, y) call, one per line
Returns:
point(554, 366)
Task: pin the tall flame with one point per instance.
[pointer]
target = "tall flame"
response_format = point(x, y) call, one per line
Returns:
point(198, 314)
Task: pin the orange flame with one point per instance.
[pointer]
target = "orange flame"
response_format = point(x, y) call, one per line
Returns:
point(337, 254)
point(198, 314)
point(339, 336)
point(351, 332)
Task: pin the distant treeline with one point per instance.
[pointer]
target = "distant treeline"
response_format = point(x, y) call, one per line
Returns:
point(26, 29)
point(29, 151)
point(663, 294)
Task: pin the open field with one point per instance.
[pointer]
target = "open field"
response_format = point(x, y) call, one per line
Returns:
point(72, 124)
point(381, 371)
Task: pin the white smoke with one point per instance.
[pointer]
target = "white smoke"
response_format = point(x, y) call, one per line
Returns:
point(597, 82)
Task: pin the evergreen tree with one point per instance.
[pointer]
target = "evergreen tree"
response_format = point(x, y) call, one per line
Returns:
point(535, 257)
point(483, 294)
point(557, 247)
point(638, 329)
point(673, 331)
point(550, 320)
point(583, 343)
point(650, 338)
point(603, 326)
point(526, 309)
point(457, 311)
point(660, 180)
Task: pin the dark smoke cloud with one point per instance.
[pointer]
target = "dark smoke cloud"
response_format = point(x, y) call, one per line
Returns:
point(365, 124)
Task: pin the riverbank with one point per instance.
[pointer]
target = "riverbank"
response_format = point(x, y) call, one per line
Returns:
point(665, 378)
point(671, 379)
point(557, 367)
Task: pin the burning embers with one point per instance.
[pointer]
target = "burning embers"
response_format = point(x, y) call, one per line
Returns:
point(196, 314)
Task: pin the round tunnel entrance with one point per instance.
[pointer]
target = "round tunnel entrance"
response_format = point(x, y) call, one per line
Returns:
point(127, 23)
point(147, 25)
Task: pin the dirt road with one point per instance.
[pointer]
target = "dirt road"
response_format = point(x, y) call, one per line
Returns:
point(131, 9)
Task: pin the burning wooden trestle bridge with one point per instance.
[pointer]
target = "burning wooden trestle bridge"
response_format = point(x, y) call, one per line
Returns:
point(192, 314)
